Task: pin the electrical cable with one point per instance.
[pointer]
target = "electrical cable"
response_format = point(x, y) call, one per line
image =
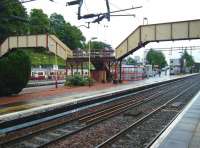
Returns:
point(175, 48)
point(19, 1)
point(117, 7)
point(86, 6)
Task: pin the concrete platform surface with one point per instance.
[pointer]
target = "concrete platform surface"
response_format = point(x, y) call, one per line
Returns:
point(184, 132)
point(28, 106)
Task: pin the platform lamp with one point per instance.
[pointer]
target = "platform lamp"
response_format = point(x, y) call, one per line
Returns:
point(145, 19)
point(89, 74)
point(56, 67)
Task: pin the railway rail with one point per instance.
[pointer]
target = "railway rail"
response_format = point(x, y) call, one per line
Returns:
point(64, 127)
point(151, 124)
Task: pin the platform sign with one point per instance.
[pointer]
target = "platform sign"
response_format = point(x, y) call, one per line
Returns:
point(55, 67)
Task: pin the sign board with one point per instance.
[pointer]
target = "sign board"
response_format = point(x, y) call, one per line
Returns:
point(55, 67)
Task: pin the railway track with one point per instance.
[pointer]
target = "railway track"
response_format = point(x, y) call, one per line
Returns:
point(95, 135)
point(153, 124)
point(45, 136)
point(21, 129)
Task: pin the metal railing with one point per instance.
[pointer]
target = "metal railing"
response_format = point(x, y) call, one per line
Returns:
point(93, 54)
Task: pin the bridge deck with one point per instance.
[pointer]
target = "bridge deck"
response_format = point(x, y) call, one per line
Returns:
point(50, 42)
point(184, 30)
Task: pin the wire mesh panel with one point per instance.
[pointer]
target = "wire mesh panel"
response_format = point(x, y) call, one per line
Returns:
point(132, 73)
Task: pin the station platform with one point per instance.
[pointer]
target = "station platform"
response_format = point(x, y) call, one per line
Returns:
point(184, 131)
point(35, 100)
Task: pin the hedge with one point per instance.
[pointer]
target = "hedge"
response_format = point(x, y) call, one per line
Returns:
point(78, 80)
point(15, 68)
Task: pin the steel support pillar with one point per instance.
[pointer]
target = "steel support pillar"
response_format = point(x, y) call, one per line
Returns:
point(109, 65)
point(81, 68)
point(115, 81)
point(77, 68)
point(120, 71)
point(66, 69)
point(72, 73)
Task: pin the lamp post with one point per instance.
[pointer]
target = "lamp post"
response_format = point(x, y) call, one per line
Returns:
point(145, 19)
point(56, 67)
point(89, 59)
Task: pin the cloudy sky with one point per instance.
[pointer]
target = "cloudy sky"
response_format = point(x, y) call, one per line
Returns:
point(113, 32)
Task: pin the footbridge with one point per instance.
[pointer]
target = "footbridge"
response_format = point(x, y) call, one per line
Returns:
point(184, 30)
point(51, 42)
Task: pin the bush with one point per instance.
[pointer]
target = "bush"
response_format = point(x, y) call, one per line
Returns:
point(15, 68)
point(89, 81)
point(78, 80)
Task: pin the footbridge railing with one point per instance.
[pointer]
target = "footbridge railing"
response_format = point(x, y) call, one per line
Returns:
point(51, 42)
point(183, 30)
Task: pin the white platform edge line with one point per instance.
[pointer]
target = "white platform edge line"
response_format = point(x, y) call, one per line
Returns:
point(159, 141)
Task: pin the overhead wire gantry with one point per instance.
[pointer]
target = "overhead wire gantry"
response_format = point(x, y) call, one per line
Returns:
point(99, 16)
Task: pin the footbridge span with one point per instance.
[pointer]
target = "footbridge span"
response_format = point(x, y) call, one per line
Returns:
point(51, 42)
point(142, 35)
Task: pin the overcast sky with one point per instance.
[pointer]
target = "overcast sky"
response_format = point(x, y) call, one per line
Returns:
point(113, 32)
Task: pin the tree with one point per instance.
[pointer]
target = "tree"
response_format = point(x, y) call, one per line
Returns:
point(70, 35)
point(8, 25)
point(156, 58)
point(188, 59)
point(39, 22)
point(73, 37)
point(97, 45)
point(15, 68)
point(57, 25)
point(131, 61)
point(100, 45)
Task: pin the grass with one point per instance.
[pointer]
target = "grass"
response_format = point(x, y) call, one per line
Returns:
point(41, 56)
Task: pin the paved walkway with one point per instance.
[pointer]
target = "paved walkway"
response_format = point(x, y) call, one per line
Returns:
point(43, 96)
point(184, 132)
